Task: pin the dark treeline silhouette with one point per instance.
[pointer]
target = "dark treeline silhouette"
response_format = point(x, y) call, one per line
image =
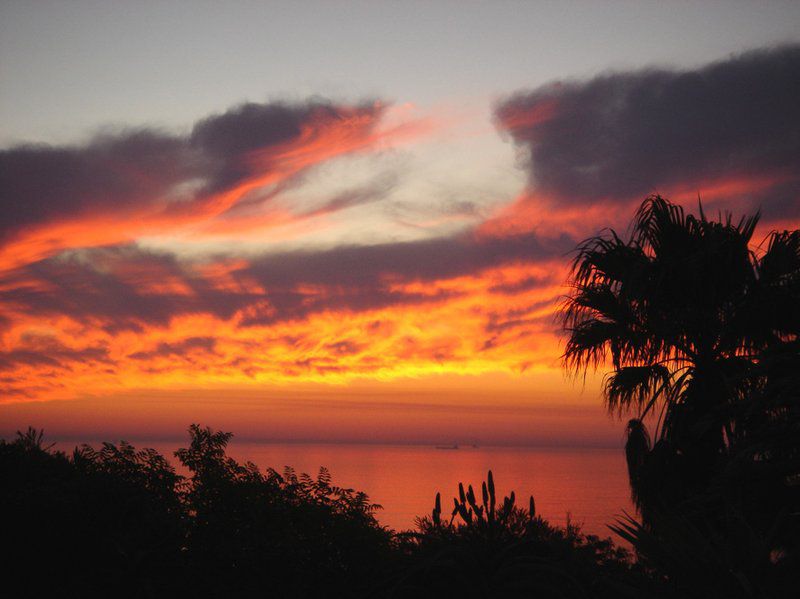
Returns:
point(120, 522)
point(700, 331)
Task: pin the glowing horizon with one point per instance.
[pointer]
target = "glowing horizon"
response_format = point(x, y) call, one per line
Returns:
point(313, 250)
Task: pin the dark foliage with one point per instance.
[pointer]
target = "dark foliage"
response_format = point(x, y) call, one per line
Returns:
point(120, 522)
point(279, 534)
point(491, 549)
point(728, 559)
point(106, 522)
point(700, 331)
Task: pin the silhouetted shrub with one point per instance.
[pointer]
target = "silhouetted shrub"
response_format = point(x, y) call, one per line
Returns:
point(281, 535)
point(97, 523)
point(487, 548)
point(120, 522)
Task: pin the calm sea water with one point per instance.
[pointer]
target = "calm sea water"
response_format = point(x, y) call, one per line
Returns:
point(587, 485)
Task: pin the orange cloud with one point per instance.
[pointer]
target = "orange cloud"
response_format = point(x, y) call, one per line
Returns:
point(85, 313)
point(496, 320)
point(537, 211)
point(133, 204)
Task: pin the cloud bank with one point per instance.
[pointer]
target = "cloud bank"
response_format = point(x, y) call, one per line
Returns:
point(120, 186)
point(730, 129)
point(86, 306)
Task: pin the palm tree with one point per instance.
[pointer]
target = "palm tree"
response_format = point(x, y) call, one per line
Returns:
point(698, 329)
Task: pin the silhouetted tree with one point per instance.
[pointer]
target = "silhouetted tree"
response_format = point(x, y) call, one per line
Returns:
point(280, 535)
point(117, 521)
point(701, 334)
point(97, 523)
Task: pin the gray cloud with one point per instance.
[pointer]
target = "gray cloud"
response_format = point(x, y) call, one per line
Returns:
point(627, 134)
point(41, 351)
point(423, 260)
point(92, 286)
point(97, 286)
point(112, 173)
point(204, 345)
point(132, 169)
point(224, 139)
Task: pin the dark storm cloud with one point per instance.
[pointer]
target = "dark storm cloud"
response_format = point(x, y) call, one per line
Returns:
point(113, 173)
point(110, 285)
point(225, 138)
point(145, 168)
point(424, 260)
point(48, 352)
point(361, 278)
point(94, 285)
point(626, 134)
point(205, 345)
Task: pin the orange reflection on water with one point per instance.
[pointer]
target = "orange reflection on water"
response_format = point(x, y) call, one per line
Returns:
point(588, 485)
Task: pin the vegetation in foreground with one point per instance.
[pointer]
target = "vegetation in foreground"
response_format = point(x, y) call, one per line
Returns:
point(117, 521)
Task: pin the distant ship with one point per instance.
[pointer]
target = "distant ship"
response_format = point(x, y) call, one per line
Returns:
point(447, 447)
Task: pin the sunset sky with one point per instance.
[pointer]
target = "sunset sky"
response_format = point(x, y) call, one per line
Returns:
point(353, 221)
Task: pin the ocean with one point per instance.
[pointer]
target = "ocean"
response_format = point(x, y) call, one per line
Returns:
point(588, 486)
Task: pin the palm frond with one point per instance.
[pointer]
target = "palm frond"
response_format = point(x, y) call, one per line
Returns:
point(631, 386)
